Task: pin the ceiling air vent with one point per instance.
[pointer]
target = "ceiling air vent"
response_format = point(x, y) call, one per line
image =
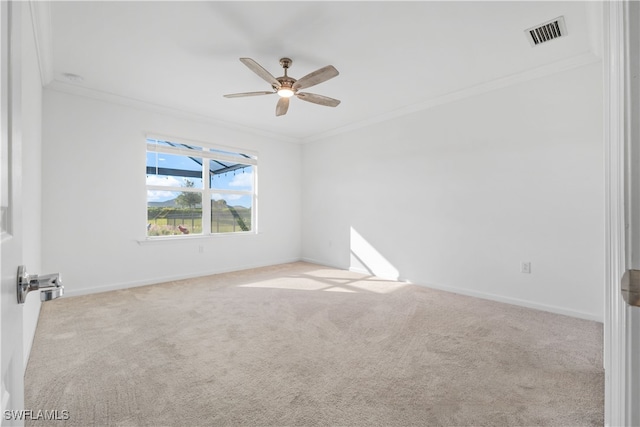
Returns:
point(547, 31)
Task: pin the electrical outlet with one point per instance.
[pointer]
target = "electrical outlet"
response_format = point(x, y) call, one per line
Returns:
point(525, 267)
point(201, 249)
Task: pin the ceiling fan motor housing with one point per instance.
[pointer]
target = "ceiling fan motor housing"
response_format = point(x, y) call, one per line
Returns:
point(286, 82)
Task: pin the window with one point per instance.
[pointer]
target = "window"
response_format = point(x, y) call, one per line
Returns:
point(199, 190)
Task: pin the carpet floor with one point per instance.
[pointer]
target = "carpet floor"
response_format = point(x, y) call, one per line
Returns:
point(305, 345)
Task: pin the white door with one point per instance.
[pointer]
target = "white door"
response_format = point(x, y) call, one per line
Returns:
point(632, 203)
point(11, 333)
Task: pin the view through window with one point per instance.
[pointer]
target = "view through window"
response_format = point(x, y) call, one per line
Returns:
point(198, 190)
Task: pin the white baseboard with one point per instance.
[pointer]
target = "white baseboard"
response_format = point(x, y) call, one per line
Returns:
point(369, 273)
point(323, 263)
point(482, 295)
point(467, 292)
point(516, 301)
point(163, 279)
point(362, 271)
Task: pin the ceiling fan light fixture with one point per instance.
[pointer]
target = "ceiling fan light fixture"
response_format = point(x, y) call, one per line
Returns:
point(285, 92)
point(286, 87)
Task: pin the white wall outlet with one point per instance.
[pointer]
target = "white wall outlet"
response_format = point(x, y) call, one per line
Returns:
point(201, 249)
point(525, 267)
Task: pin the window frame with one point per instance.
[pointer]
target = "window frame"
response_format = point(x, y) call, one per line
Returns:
point(206, 192)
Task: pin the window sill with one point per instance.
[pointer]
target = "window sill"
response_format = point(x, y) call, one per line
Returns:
point(198, 237)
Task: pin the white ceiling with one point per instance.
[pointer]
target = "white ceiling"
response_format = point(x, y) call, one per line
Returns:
point(393, 57)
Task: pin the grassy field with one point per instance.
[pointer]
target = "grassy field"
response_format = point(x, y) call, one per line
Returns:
point(167, 222)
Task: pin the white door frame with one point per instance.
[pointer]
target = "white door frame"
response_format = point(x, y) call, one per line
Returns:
point(632, 206)
point(621, 391)
point(11, 313)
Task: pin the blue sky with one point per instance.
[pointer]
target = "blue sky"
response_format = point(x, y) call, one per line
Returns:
point(240, 179)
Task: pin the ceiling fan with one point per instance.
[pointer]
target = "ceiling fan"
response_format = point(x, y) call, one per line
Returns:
point(287, 87)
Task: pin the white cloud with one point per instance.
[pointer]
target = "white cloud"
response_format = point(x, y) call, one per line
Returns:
point(242, 180)
point(160, 195)
point(164, 180)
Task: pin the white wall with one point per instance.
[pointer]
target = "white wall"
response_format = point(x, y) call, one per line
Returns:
point(452, 197)
point(31, 177)
point(458, 195)
point(94, 198)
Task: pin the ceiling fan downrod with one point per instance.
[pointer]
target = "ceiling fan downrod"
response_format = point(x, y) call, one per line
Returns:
point(285, 63)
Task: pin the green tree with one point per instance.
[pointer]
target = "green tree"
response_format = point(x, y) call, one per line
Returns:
point(187, 199)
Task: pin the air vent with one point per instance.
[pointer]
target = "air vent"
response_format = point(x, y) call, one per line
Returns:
point(547, 31)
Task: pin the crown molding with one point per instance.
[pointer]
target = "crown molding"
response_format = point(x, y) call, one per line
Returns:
point(42, 34)
point(578, 61)
point(111, 98)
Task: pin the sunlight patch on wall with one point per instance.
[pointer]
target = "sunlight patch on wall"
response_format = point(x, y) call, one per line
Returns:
point(366, 259)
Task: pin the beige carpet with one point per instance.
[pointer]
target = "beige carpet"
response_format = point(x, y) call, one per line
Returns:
point(300, 344)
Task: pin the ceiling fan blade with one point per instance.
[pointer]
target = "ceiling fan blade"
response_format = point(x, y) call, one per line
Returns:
point(318, 76)
point(239, 95)
point(282, 106)
point(257, 68)
point(318, 99)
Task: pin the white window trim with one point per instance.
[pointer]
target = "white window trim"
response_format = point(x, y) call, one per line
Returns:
point(206, 189)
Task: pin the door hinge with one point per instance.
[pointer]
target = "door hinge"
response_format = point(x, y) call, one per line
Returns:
point(630, 286)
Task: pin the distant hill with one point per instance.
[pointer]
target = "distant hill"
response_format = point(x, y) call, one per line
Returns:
point(166, 204)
